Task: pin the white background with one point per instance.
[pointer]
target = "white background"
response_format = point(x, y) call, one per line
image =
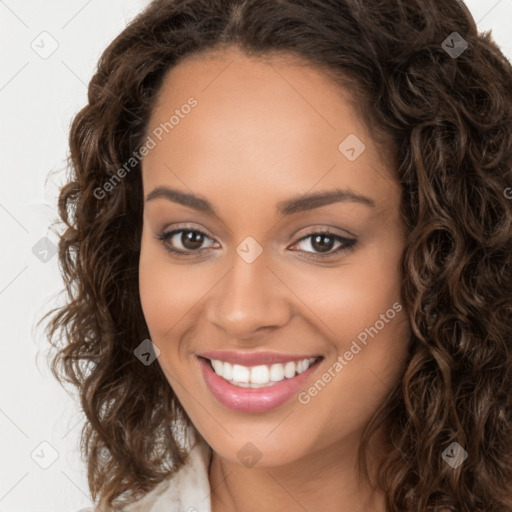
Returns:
point(38, 99)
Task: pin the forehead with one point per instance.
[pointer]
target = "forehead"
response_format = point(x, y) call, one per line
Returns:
point(273, 121)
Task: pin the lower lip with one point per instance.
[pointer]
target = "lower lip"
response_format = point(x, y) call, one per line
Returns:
point(253, 399)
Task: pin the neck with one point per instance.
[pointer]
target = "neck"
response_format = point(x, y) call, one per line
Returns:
point(325, 480)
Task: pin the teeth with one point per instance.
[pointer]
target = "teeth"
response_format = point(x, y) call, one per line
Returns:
point(262, 375)
point(277, 372)
point(217, 366)
point(289, 370)
point(227, 370)
point(240, 373)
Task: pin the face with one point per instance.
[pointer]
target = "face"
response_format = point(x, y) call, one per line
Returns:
point(288, 237)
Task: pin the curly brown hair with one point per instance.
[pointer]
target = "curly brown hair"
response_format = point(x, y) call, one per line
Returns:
point(447, 121)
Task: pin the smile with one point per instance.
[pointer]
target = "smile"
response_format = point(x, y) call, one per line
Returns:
point(238, 383)
point(259, 376)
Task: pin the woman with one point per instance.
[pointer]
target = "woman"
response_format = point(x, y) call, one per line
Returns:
point(287, 257)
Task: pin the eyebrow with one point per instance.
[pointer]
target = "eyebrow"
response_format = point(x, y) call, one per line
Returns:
point(288, 207)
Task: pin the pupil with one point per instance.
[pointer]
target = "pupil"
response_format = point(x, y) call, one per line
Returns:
point(191, 240)
point(322, 247)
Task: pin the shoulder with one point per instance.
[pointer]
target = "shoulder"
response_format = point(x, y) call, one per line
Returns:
point(186, 490)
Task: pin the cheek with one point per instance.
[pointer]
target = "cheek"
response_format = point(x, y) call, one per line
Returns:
point(150, 283)
point(167, 294)
point(359, 309)
point(168, 291)
point(160, 295)
point(370, 330)
point(346, 300)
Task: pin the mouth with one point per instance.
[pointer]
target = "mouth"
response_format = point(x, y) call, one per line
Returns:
point(259, 376)
point(256, 388)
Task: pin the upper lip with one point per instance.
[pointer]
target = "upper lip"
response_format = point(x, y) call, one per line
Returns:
point(253, 358)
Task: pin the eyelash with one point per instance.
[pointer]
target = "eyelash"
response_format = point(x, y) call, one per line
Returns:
point(348, 244)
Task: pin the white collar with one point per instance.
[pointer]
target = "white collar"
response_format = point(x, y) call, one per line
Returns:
point(187, 490)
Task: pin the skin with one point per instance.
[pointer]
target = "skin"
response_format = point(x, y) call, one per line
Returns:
point(263, 131)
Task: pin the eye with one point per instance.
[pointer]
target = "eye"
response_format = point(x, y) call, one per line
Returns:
point(190, 240)
point(322, 244)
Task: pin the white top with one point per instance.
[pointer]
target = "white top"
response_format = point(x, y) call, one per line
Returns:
point(187, 490)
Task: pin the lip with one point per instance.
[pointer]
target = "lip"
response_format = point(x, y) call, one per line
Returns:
point(254, 358)
point(254, 400)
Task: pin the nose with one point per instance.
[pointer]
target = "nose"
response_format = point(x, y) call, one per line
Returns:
point(250, 298)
